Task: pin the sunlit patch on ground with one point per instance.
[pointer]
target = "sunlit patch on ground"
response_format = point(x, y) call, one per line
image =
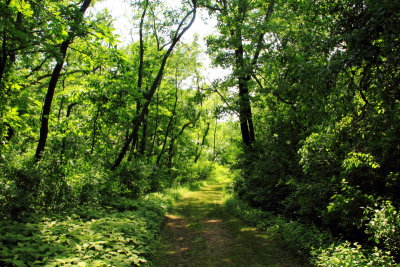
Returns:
point(214, 221)
point(200, 232)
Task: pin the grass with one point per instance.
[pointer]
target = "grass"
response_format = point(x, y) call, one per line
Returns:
point(199, 231)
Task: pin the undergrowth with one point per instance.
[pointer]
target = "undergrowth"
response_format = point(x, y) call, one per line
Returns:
point(309, 242)
point(121, 232)
point(119, 235)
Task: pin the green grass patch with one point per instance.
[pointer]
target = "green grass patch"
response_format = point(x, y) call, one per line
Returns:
point(299, 238)
point(307, 241)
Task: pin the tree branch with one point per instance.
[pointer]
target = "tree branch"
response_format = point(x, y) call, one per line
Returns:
point(260, 40)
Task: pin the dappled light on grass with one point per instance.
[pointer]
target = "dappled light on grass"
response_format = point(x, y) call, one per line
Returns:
point(248, 229)
point(214, 221)
point(199, 231)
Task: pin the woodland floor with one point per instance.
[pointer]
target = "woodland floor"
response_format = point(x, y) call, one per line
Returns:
point(199, 231)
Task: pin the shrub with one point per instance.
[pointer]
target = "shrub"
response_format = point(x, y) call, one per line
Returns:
point(348, 255)
point(202, 170)
point(254, 217)
point(29, 186)
point(83, 237)
point(384, 227)
point(133, 178)
point(299, 238)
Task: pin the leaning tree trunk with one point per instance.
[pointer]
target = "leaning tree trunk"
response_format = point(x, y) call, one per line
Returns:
point(156, 83)
point(44, 127)
point(199, 150)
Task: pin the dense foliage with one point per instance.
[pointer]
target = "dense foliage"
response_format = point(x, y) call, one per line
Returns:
point(324, 93)
point(83, 237)
point(90, 127)
point(85, 120)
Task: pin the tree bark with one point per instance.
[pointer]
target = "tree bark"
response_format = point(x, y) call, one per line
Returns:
point(94, 134)
point(150, 153)
point(173, 139)
point(4, 52)
point(215, 138)
point(245, 114)
point(3, 57)
point(143, 141)
point(244, 74)
point(44, 127)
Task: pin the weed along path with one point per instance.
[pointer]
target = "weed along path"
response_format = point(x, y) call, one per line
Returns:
point(200, 232)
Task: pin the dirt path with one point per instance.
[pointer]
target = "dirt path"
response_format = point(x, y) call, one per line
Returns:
point(200, 232)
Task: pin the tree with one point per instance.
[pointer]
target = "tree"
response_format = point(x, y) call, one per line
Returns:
point(60, 58)
point(182, 27)
point(243, 25)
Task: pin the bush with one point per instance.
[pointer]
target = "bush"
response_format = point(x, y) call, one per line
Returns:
point(299, 238)
point(384, 227)
point(132, 178)
point(122, 233)
point(200, 171)
point(29, 186)
point(254, 217)
point(348, 255)
point(321, 247)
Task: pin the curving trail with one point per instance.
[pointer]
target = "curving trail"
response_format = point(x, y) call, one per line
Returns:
point(200, 232)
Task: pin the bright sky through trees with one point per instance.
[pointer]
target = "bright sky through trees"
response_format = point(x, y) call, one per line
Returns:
point(121, 11)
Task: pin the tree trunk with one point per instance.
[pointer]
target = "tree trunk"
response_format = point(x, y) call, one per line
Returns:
point(156, 83)
point(4, 52)
point(140, 79)
point(203, 141)
point(155, 134)
point(245, 114)
point(215, 138)
point(94, 135)
point(3, 57)
point(169, 127)
point(142, 148)
point(44, 127)
point(133, 146)
point(64, 139)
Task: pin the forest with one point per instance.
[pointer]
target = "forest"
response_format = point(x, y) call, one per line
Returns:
point(97, 137)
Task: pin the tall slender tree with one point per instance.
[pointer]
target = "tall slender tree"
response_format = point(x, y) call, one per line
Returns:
point(184, 24)
point(243, 34)
point(60, 58)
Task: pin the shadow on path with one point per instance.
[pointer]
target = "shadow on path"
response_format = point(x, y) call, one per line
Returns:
point(200, 232)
